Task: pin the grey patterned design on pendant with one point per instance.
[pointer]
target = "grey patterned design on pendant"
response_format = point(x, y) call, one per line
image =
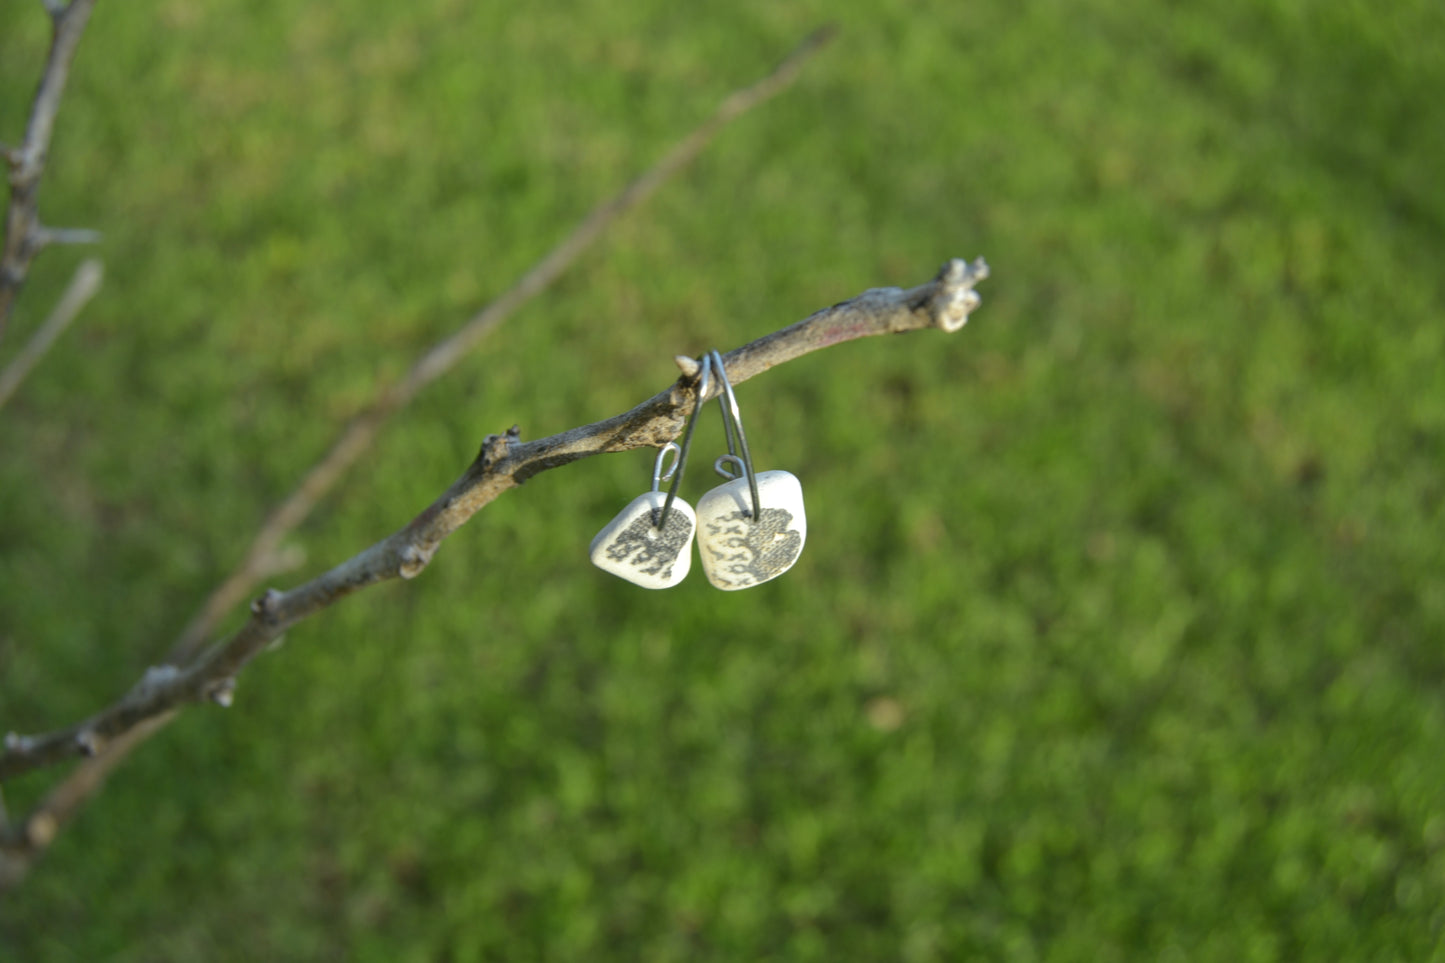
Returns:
point(652, 551)
point(755, 552)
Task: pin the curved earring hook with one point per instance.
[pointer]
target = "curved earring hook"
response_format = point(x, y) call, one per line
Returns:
point(658, 474)
point(730, 409)
point(704, 382)
point(729, 466)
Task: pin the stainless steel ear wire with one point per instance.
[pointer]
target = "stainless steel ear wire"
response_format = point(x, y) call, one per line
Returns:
point(729, 466)
point(741, 542)
point(658, 474)
point(733, 423)
point(704, 382)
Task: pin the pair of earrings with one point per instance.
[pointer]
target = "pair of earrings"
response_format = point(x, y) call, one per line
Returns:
point(749, 530)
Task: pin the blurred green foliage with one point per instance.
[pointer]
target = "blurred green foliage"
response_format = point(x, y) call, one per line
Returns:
point(1119, 630)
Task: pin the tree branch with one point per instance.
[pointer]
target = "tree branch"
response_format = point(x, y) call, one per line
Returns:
point(24, 235)
point(82, 288)
point(503, 463)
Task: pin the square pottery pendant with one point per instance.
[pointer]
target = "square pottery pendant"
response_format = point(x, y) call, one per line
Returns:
point(739, 551)
point(632, 547)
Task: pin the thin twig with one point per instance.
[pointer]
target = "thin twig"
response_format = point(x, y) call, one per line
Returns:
point(24, 235)
point(259, 561)
point(82, 288)
point(45, 236)
point(503, 463)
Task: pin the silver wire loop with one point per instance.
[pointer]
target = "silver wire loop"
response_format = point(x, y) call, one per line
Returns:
point(730, 408)
point(729, 466)
point(658, 474)
point(704, 382)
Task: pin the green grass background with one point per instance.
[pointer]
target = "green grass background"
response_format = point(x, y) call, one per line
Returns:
point(1118, 635)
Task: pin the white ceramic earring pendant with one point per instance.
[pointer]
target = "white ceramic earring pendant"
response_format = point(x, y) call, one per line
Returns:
point(739, 551)
point(633, 545)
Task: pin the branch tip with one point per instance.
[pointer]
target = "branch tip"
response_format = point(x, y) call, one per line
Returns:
point(688, 366)
point(45, 236)
point(955, 297)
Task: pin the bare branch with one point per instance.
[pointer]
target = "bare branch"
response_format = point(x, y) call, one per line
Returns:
point(27, 161)
point(82, 288)
point(503, 463)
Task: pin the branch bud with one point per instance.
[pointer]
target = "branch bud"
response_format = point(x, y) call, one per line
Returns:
point(267, 606)
point(413, 559)
point(495, 447)
point(222, 692)
point(87, 742)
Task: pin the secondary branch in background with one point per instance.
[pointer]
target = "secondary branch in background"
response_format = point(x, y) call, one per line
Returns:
point(83, 285)
point(25, 236)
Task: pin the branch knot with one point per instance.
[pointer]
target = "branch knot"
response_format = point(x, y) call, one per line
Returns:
point(496, 447)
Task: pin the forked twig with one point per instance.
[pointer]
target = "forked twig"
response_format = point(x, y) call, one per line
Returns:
point(24, 234)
